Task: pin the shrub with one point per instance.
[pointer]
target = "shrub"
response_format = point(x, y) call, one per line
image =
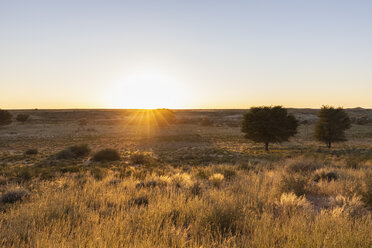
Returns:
point(138, 158)
point(182, 180)
point(5, 117)
point(15, 195)
point(289, 203)
point(351, 206)
point(22, 118)
point(301, 165)
point(65, 154)
point(222, 219)
point(324, 175)
point(74, 152)
point(203, 173)
point(24, 174)
point(80, 150)
point(294, 184)
point(106, 155)
point(32, 151)
point(216, 179)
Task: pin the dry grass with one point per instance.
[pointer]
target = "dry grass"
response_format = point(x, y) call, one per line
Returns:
point(181, 186)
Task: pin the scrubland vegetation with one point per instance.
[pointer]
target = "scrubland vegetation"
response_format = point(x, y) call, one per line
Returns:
point(119, 183)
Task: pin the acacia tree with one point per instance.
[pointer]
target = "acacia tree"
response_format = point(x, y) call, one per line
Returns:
point(269, 125)
point(5, 117)
point(331, 125)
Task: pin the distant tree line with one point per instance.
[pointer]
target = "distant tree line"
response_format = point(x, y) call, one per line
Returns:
point(274, 125)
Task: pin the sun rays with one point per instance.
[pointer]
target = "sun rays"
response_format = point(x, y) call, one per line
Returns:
point(148, 120)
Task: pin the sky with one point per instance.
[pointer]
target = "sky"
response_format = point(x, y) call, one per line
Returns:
point(185, 53)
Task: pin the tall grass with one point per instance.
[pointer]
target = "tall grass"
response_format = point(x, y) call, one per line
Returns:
point(250, 210)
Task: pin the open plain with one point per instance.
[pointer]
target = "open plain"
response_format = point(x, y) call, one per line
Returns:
point(189, 181)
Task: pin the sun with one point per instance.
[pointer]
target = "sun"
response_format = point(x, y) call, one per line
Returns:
point(147, 91)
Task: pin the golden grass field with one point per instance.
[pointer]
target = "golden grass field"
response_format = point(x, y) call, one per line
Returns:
point(193, 183)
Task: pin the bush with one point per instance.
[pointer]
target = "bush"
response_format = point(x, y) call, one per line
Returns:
point(80, 150)
point(216, 179)
point(203, 173)
point(294, 184)
point(65, 154)
point(349, 206)
point(324, 175)
point(5, 117)
point(222, 219)
point(106, 155)
point(301, 165)
point(32, 151)
point(15, 195)
point(139, 158)
point(289, 204)
point(74, 152)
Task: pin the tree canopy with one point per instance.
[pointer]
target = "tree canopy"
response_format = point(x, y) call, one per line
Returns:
point(269, 125)
point(331, 125)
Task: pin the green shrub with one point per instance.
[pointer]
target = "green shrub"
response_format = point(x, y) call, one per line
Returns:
point(106, 155)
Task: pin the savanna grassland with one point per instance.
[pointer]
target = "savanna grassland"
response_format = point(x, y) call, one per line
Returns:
point(193, 183)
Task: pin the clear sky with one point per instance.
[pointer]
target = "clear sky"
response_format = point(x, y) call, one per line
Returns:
point(185, 53)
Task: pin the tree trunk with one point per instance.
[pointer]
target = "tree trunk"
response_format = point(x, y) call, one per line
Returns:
point(267, 146)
